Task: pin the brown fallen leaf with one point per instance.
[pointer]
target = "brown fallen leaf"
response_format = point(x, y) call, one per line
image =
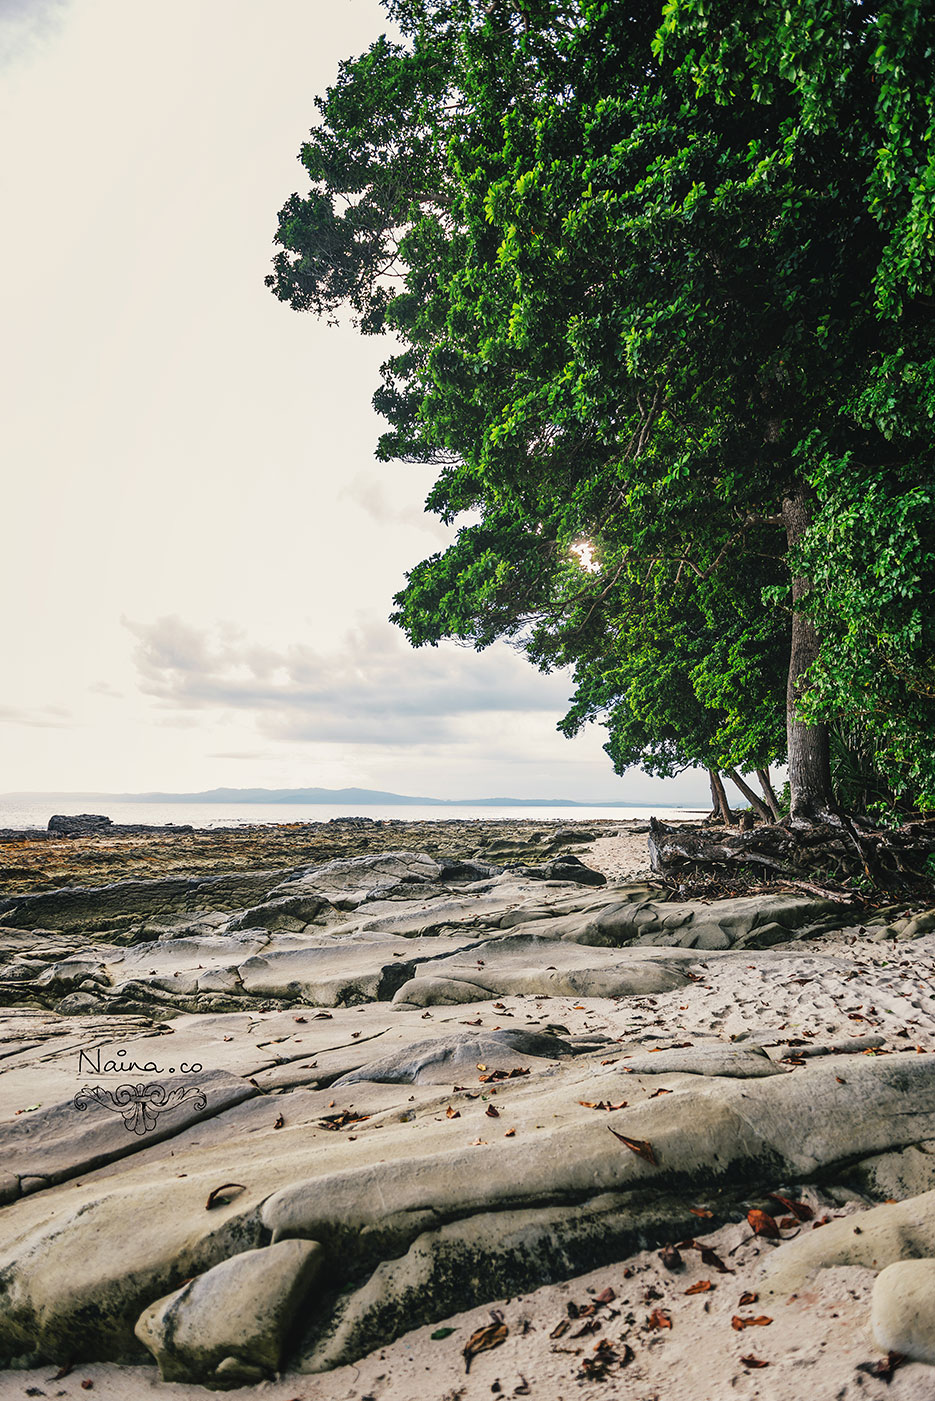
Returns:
point(280, 1122)
point(884, 1367)
point(702, 1286)
point(593, 1325)
point(606, 1296)
point(702, 1211)
point(762, 1224)
point(711, 1258)
point(639, 1146)
point(788, 1223)
point(751, 1361)
point(452, 1113)
point(659, 1318)
point(87, 1384)
point(748, 1297)
point(323, 1017)
point(492, 1112)
point(801, 1210)
point(492, 1335)
point(602, 1104)
point(220, 1196)
point(739, 1324)
point(656, 1093)
point(341, 1119)
point(560, 1328)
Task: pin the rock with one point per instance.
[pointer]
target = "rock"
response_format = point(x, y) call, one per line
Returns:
point(454, 983)
point(493, 1255)
point(902, 1311)
point(446, 1059)
point(227, 1327)
point(65, 1140)
point(885, 1234)
point(741, 1062)
point(85, 824)
point(895, 1176)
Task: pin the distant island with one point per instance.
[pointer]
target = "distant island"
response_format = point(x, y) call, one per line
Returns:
point(363, 796)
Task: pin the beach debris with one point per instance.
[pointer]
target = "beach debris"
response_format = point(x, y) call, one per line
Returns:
point(762, 1224)
point(490, 1336)
point(751, 1361)
point(739, 1324)
point(220, 1196)
point(639, 1146)
point(658, 1319)
point(701, 1286)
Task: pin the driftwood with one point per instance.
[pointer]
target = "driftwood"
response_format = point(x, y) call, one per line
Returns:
point(834, 858)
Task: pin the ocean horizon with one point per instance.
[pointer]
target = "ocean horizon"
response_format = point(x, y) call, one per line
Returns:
point(32, 812)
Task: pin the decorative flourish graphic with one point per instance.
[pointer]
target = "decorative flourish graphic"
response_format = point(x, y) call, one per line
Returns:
point(140, 1105)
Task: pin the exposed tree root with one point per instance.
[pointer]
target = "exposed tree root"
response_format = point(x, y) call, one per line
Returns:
point(830, 857)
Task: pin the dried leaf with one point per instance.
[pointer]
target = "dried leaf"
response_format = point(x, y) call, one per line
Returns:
point(223, 1194)
point(452, 1113)
point(510, 1133)
point(87, 1384)
point(748, 1297)
point(280, 1122)
point(639, 1146)
point(659, 1318)
point(751, 1361)
point(739, 1324)
point(593, 1325)
point(483, 1340)
point(702, 1286)
point(341, 1119)
point(656, 1093)
point(492, 1112)
point(560, 1329)
point(884, 1367)
point(762, 1224)
point(701, 1211)
point(711, 1258)
point(787, 1223)
point(801, 1210)
point(606, 1296)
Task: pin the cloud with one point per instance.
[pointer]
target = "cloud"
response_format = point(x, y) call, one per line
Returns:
point(369, 492)
point(26, 26)
point(43, 717)
point(373, 690)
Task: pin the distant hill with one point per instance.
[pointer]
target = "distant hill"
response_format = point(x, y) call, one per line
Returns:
point(366, 797)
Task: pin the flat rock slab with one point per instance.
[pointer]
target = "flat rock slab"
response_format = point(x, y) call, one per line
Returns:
point(111, 1119)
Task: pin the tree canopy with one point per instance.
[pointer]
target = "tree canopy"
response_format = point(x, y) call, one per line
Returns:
point(662, 317)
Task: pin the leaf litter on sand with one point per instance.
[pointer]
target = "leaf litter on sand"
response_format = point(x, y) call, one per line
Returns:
point(490, 1336)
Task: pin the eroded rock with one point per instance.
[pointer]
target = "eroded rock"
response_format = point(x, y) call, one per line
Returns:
point(228, 1326)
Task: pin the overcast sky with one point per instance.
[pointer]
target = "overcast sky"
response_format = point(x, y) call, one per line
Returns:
point(199, 551)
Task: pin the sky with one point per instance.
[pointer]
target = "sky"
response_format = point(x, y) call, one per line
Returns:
point(199, 550)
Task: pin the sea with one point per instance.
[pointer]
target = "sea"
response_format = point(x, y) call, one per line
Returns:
point(35, 813)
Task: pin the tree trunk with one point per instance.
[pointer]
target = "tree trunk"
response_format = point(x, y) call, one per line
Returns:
point(756, 803)
point(809, 757)
point(720, 798)
point(768, 792)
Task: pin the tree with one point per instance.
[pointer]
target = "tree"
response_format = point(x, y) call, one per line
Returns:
point(643, 321)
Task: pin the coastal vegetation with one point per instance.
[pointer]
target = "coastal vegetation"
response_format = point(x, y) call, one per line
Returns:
point(659, 287)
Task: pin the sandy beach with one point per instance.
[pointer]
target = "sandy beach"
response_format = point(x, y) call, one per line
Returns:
point(697, 1324)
